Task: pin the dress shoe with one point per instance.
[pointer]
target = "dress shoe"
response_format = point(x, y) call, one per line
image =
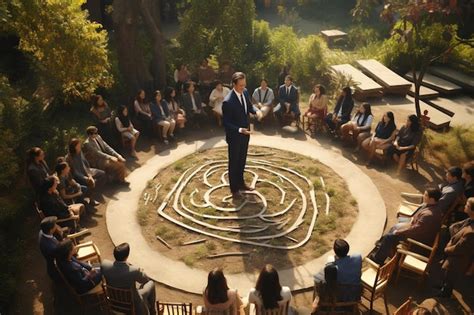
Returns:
point(445, 292)
point(237, 195)
point(247, 188)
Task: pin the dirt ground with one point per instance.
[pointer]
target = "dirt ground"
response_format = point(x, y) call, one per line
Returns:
point(342, 212)
point(36, 294)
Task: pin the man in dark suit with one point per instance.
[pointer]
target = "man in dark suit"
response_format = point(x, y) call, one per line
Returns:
point(236, 109)
point(423, 227)
point(121, 274)
point(48, 239)
point(452, 189)
point(288, 99)
point(459, 253)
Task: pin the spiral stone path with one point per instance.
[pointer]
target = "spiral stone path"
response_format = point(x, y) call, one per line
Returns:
point(123, 226)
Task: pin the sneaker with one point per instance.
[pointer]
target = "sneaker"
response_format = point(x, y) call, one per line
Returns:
point(165, 141)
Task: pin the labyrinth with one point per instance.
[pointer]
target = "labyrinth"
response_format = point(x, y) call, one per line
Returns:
point(297, 203)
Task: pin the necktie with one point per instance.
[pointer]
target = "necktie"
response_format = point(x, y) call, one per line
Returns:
point(287, 91)
point(243, 104)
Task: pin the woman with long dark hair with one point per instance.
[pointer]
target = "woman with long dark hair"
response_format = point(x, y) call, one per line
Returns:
point(406, 141)
point(36, 168)
point(175, 110)
point(342, 110)
point(125, 127)
point(101, 115)
point(382, 137)
point(218, 296)
point(359, 126)
point(143, 113)
point(268, 292)
point(318, 107)
point(162, 117)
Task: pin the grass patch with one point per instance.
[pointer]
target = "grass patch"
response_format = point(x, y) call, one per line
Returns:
point(189, 260)
point(142, 216)
point(454, 147)
point(331, 192)
point(211, 245)
point(353, 202)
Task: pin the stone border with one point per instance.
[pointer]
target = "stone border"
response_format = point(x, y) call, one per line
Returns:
point(123, 226)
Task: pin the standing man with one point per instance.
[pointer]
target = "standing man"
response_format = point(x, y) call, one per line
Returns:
point(236, 109)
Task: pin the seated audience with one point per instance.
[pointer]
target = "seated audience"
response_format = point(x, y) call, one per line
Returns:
point(422, 227)
point(181, 76)
point(216, 98)
point(162, 117)
point(102, 116)
point(348, 269)
point(176, 112)
point(125, 127)
point(459, 252)
point(81, 170)
point(225, 74)
point(268, 293)
point(288, 100)
point(48, 239)
point(206, 76)
point(263, 97)
point(192, 104)
point(143, 113)
point(342, 111)
point(69, 190)
point(406, 141)
point(218, 297)
point(318, 107)
point(359, 125)
point(80, 275)
point(452, 189)
point(36, 168)
point(468, 176)
point(382, 137)
point(52, 204)
point(100, 155)
point(121, 274)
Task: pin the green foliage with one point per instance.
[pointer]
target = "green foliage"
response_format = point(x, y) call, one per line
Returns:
point(454, 147)
point(68, 51)
point(462, 58)
point(212, 27)
point(360, 36)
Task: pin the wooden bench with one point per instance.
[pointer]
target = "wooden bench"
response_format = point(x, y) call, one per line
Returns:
point(366, 87)
point(391, 82)
point(331, 36)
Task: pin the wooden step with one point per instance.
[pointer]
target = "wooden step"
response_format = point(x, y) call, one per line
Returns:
point(436, 83)
point(366, 86)
point(390, 81)
point(425, 92)
point(463, 80)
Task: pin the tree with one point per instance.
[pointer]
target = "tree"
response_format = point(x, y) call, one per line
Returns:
point(68, 51)
point(219, 27)
point(410, 21)
point(141, 66)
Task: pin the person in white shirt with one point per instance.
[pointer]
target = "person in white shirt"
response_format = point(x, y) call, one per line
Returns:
point(216, 98)
point(268, 293)
point(263, 98)
point(359, 125)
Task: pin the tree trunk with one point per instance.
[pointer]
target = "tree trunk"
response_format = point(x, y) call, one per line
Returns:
point(150, 11)
point(131, 60)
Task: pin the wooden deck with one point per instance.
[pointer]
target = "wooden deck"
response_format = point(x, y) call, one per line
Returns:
point(391, 82)
point(459, 78)
point(366, 86)
point(436, 83)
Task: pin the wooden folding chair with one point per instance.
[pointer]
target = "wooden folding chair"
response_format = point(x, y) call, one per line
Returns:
point(415, 262)
point(329, 302)
point(405, 308)
point(375, 280)
point(120, 300)
point(169, 308)
point(91, 299)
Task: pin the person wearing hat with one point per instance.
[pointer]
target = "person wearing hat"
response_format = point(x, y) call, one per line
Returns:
point(100, 155)
point(49, 236)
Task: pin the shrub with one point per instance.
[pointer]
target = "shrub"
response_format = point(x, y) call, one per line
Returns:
point(360, 36)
